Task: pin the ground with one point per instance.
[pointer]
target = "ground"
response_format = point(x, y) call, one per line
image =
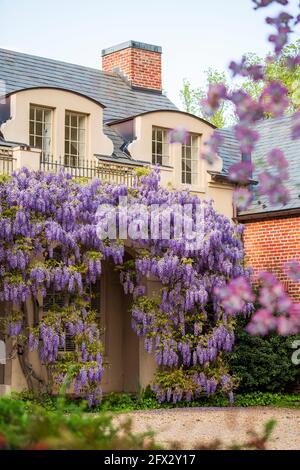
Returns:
point(191, 426)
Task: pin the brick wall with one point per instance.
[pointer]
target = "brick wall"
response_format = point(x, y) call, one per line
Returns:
point(141, 67)
point(270, 243)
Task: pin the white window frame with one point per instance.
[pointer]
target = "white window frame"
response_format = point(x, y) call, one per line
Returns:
point(75, 138)
point(160, 146)
point(190, 164)
point(40, 130)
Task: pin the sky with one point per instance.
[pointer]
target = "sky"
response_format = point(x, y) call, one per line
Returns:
point(194, 34)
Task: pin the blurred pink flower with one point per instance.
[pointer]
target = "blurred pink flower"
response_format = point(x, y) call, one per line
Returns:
point(247, 109)
point(292, 270)
point(262, 323)
point(241, 172)
point(242, 198)
point(276, 158)
point(274, 99)
point(271, 185)
point(265, 3)
point(178, 136)
point(296, 125)
point(246, 137)
point(211, 148)
point(216, 92)
point(235, 295)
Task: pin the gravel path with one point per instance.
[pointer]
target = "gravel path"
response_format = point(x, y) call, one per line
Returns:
point(191, 426)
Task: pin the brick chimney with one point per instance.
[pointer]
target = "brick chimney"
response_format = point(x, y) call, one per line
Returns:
point(140, 63)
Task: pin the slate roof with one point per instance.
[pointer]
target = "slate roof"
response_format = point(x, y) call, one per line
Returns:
point(20, 71)
point(274, 133)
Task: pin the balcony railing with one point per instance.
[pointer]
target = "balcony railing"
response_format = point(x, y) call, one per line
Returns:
point(6, 161)
point(111, 172)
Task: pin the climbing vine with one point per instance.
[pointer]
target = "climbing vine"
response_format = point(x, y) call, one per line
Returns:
point(49, 240)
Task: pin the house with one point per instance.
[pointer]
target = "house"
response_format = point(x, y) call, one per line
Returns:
point(103, 123)
point(272, 233)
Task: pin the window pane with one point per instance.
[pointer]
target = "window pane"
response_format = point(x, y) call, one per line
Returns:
point(82, 122)
point(67, 119)
point(73, 121)
point(81, 150)
point(31, 127)
point(39, 142)
point(39, 115)
point(159, 148)
point(67, 133)
point(47, 116)
point(39, 129)
point(31, 141)
point(74, 134)
point(82, 136)
point(74, 148)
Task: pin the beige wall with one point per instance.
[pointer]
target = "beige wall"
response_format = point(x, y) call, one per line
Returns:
point(17, 129)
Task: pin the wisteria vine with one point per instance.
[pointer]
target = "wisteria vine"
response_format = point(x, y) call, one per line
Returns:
point(48, 230)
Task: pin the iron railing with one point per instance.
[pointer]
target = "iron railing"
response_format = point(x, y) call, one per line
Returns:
point(106, 171)
point(6, 161)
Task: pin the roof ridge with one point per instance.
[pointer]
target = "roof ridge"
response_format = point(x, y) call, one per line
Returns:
point(57, 61)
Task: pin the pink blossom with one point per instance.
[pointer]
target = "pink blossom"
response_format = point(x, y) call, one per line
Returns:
point(274, 98)
point(296, 125)
point(280, 39)
point(271, 185)
point(247, 138)
point(261, 323)
point(265, 3)
point(178, 135)
point(292, 270)
point(247, 109)
point(241, 172)
point(211, 147)
point(256, 71)
point(242, 198)
point(276, 158)
point(216, 92)
point(235, 295)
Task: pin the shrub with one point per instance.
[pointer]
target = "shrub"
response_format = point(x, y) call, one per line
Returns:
point(34, 427)
point(263, 363)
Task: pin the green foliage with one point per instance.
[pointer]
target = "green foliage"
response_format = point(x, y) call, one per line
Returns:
point(34, 427)
point(274, 70)
point(191, 97)
point(263, 363)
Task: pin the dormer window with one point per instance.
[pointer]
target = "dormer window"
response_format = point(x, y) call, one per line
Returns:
point(160, 146)
point(190, 160)
point(75, 139)
point(40, 130)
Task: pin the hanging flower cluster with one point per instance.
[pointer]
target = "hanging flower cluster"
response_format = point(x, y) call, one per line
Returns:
point(50, 243)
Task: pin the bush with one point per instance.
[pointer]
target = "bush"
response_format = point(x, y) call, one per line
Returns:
point(263, 364)
point(25, 426)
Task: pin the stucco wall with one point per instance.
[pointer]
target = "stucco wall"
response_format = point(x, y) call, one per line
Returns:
point(17, 129)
